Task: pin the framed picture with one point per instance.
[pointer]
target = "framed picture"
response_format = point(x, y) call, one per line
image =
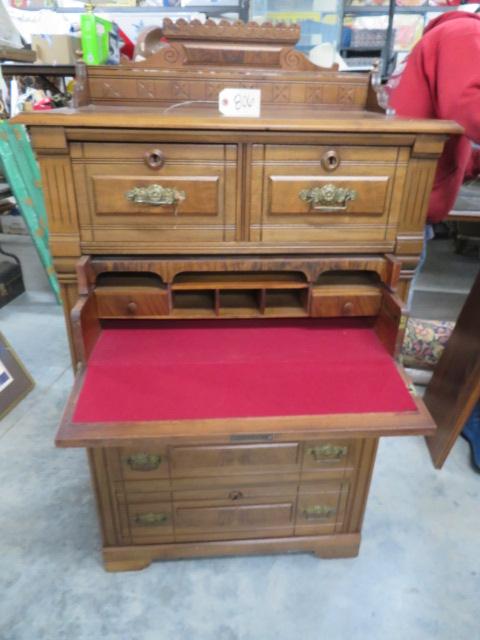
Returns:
point(15, 381)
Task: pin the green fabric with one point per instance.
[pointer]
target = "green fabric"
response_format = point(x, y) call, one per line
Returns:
point(23, 174)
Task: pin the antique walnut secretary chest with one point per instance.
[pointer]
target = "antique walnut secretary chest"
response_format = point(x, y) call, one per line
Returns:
point(233, 292)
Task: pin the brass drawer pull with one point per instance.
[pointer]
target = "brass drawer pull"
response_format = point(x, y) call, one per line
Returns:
point(156, 195)
point(318, 512)
point(327, 452)
point(235, 495)
point(347, 308)
point(144, 461)
point(132, 307)
point(328, 198)
point(151, 519)
point(155, 159)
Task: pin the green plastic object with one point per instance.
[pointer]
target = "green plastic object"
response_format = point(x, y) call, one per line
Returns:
point(23, 175)
point(99, 40)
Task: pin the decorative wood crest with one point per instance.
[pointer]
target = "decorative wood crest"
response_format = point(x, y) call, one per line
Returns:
point(229, 44)
point(200, 59)
point(223, 31)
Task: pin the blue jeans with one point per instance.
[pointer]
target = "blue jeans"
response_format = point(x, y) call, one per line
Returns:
point(428, 234)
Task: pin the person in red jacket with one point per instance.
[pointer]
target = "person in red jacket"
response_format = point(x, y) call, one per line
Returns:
point(441, 79)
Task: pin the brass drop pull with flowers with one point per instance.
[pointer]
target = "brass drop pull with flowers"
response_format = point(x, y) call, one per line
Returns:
point(328, 198)
point(328, 452)
point(318, 511)
point(144, 461)
point(151, 519)
point(156, 195)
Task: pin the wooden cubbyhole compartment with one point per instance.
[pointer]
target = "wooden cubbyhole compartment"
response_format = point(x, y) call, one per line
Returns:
point(195, 303)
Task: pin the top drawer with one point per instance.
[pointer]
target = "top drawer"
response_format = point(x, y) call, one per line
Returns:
point(326, 194)
point(156, 192)
point(215, 460)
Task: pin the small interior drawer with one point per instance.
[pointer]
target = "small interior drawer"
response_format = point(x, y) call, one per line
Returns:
point(131, 302)
point(328, 301)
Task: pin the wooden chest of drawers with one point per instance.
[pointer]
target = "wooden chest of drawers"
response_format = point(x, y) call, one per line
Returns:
point(284, 495)
point(233, 291)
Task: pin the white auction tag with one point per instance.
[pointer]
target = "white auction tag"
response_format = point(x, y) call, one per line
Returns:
point(240, 102)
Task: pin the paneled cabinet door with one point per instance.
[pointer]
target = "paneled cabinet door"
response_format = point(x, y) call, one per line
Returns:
point(163, 193)
point(313, 194)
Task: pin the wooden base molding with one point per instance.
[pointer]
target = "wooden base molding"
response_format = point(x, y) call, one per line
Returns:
point(140, 557)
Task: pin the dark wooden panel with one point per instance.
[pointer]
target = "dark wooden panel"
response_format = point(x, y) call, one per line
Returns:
point(454, 388)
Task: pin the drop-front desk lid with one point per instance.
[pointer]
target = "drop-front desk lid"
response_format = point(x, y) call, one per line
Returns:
point(240, 380)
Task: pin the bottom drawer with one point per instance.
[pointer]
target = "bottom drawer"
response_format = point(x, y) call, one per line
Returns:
point(223, 521)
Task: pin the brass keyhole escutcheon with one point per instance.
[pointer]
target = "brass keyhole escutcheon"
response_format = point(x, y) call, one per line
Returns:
point(155, 159)
point(330, 160)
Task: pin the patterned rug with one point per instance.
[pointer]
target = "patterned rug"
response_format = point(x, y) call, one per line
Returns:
point(424, 342)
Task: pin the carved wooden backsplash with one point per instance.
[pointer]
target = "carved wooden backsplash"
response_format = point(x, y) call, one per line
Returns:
point(202, 59)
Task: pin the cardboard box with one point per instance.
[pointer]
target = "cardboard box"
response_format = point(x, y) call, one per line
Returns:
point(56, 49)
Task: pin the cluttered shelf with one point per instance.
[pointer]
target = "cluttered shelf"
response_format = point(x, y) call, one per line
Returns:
point(31, 69)
point(383, 9)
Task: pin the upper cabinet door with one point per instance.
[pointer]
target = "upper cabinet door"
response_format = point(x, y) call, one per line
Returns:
point(158, 194)
point(326, 194)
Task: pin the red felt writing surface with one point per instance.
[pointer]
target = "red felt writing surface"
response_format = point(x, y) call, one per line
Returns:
point(179, 370)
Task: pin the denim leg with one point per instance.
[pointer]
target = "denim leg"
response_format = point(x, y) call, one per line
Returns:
point(428, 234)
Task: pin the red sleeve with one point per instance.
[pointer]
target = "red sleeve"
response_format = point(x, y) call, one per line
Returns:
point(473, 167)
point(458, 81)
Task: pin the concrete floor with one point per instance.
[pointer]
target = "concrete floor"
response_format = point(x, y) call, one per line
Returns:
point(417, 576)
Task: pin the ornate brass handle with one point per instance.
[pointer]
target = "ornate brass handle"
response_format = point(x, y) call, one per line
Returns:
point(144, 461)
point(151, 519)
point(156, 195)
point(327, 451)
point(328, 198)
point(319, 511)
